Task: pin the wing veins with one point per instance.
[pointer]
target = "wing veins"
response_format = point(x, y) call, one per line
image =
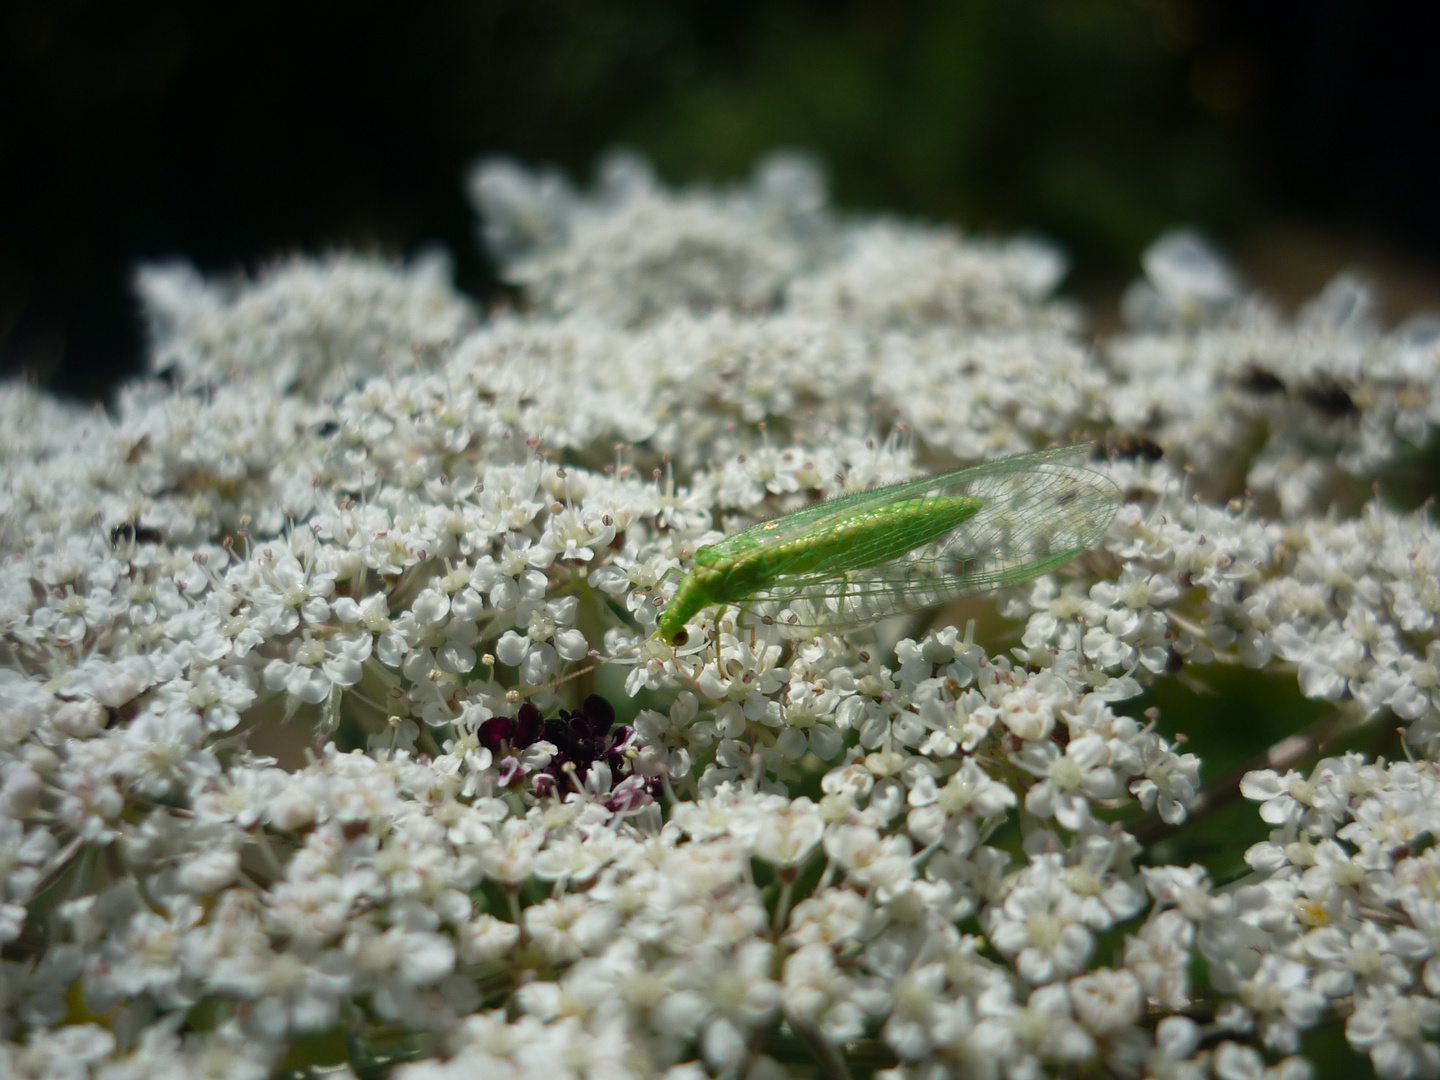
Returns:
point(1032, 521)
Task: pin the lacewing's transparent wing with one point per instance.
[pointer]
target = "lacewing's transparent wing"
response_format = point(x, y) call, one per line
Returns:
point(1035, 514)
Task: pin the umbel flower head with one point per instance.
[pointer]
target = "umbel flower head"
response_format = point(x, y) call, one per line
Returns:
point(296, 773)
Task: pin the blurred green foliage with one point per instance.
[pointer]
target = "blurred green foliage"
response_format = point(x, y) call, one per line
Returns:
point(1100, 121)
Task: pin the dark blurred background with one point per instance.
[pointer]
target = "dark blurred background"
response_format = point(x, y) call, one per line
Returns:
point(1301, 135)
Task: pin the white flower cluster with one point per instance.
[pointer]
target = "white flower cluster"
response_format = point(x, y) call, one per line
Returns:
point(311, 328)
point(286, 783)
point(1327, 396)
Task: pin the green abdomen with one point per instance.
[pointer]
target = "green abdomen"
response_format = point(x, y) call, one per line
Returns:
point(733, 570)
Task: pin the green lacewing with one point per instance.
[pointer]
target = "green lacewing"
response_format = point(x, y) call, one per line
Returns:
point(906, 546)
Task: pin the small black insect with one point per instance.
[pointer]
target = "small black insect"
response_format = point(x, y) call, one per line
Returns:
point(1329, 397)
point(1256, 380)
point(1122, 444)
point(128, 532)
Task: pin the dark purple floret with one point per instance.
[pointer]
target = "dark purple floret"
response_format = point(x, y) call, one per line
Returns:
point(632, 793)
point(588, 735)
point(581, 738)
point(500, 733)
